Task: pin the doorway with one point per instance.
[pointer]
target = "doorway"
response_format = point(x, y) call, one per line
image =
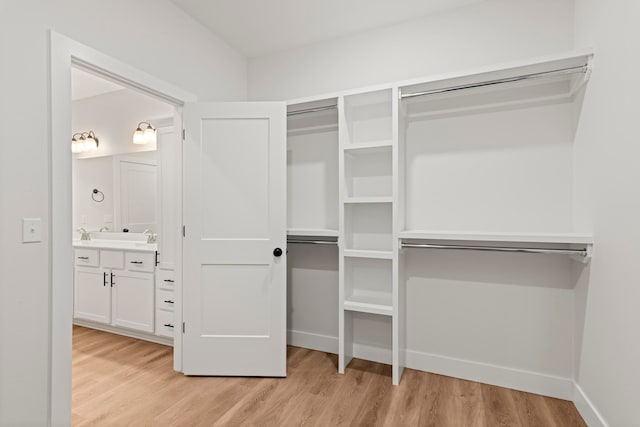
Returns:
point(66, 55)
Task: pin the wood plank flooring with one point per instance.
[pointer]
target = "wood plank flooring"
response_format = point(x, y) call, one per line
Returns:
point(120, 381)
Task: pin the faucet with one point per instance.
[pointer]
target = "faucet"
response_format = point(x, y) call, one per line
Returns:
point(105, 228)
point(151, 236)
point(85, 234)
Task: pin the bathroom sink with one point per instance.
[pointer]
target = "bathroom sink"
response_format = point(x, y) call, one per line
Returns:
point(116, 244)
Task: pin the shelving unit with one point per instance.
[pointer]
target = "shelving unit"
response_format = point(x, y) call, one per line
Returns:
point(368, 250)
point(470, 161)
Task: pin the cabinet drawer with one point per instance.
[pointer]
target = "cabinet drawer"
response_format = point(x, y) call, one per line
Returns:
point(140, 261)
point(112, 259)
point(165, 279)
point(164, 299)
point(87, 257)
point(165, 323)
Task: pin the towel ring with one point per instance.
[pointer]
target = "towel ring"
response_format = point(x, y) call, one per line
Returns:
point(97, 195)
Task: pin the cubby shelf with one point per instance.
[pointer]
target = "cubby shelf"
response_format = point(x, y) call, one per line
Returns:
point(373, 145)
point(358, 253)
point(502, 237)
point(370, 302)
point(368, 200)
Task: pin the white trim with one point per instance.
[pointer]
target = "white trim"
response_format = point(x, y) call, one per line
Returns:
point(325, 343)
point(63, 53)
point(587, 409)
point(372, 353)
point(124, 332)
point(502, 376)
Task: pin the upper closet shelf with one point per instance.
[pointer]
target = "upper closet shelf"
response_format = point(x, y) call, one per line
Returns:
point(546, 80)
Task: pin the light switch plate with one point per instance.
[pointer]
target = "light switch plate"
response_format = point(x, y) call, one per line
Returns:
point(31, 230)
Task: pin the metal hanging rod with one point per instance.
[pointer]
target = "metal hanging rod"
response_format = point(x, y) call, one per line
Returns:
point(312, 110)
point(313, 242)
point(561, 72)
point(580, 252)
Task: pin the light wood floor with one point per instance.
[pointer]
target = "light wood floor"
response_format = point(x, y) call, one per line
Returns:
point(119, 381)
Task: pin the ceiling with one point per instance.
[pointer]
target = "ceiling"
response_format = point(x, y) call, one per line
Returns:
point(260, 27)
point(85, 85)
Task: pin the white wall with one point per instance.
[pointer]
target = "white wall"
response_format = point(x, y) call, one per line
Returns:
point(151, 35)
point(607, 167)
point(488, 32)
point(114, 117)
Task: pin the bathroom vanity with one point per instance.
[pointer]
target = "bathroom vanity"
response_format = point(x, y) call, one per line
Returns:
point(117, 289)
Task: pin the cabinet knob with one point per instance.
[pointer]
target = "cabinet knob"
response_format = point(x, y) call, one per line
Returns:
point(277, 252)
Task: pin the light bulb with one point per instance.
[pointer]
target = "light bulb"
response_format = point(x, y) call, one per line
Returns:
point(75, 146)
point(138, 137)
point(90, 144)
point(149, 135)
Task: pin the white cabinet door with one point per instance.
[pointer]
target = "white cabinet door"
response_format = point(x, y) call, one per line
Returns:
point(234, 288)
point(92, 294)
point(133, 300)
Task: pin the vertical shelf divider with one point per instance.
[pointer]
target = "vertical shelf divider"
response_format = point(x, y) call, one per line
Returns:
point(397, 318)
point(345, 336)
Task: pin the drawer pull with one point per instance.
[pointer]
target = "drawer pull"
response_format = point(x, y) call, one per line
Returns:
point(168, 301)
point(168, 325)
point(137, 262)
point(83, 257)
point(168, 280)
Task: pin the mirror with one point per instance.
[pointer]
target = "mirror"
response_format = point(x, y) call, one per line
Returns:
point(125, 175)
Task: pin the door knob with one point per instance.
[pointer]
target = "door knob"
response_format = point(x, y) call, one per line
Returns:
point(277, 252)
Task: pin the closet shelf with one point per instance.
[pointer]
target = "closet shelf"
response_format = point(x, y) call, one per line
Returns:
point(368, 200)
point(312, 232)
point(504, 237)
point(360, 253)
point(372, 145)
point(370, 302)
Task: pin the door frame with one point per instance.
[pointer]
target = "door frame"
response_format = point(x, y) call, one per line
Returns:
point(65, 53)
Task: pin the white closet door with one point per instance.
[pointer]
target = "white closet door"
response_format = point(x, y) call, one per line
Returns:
point(234, 292)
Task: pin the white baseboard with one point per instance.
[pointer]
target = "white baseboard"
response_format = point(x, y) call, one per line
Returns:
point(375, 354)
point(517, 379)
point(329, 344)
point(125, 332)
point(586, 408)
point(312, 341)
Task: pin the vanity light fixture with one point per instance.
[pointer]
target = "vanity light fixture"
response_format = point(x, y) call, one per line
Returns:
point(84, 141)
point(146, 136)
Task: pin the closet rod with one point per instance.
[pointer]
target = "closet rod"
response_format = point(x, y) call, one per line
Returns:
point(313, 242)
point(580, 252)
point(560, 72)
point(312, 110)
